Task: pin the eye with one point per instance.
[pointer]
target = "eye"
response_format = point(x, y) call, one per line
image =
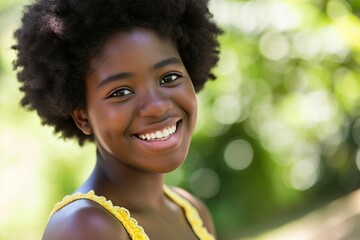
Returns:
point(122, 92)
point(169, 78)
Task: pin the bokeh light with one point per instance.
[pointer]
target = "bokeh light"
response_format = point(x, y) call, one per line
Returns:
point(205, 182)
point(304, 174)
point(274, 46)
point(238, 154)
point(357, 158)
point(227, 109)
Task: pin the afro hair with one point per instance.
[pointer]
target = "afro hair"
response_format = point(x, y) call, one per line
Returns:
point(57, 39)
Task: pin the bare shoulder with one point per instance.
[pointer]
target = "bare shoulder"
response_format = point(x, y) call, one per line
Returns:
point(83, 219)
point(200, 207)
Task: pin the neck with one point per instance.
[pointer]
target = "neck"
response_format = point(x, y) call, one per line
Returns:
point(125, 185)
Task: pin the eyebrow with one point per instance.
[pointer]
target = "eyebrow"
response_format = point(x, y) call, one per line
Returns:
point(124, 75)
point(166, 62)
point(115, 77)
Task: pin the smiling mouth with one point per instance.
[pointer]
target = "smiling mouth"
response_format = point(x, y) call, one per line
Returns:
point(159, 134)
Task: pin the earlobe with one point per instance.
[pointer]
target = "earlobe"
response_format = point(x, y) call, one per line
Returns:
point(81, 120)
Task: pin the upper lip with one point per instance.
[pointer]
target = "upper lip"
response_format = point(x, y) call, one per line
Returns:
point(157, 126)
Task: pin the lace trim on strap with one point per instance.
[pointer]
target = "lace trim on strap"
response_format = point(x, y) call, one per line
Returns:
point(135, 231)
point(191, 214)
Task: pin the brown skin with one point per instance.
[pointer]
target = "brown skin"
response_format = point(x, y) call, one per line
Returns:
point(149, 90)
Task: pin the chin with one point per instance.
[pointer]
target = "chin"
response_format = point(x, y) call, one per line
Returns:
point(170, 166)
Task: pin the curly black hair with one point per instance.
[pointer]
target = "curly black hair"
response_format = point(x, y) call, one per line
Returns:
point(58, 38)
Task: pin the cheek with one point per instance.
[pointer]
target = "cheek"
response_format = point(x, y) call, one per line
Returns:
point(107, 119)
point(194, 118)
point(190, 104)
point(194, 107)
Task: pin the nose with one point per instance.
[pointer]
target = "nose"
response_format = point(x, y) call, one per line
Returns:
point(154, 104)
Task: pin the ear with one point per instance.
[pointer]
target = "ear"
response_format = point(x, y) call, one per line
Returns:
point(81, 120)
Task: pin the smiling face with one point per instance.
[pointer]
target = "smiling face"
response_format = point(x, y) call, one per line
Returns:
point(141, 104)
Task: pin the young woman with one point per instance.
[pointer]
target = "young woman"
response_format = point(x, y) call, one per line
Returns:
point(122, 74)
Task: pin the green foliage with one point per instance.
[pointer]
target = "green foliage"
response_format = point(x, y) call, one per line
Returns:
point(289, 88)
point(278, 132)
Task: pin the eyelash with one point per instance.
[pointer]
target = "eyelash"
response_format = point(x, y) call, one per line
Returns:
point(174, 77)
point(121, 91)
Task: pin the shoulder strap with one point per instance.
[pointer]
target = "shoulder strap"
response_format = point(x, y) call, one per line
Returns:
point(135, 231)
point(192, 215)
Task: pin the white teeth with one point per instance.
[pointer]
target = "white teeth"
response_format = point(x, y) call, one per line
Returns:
point(159, 134)
point(166, 133)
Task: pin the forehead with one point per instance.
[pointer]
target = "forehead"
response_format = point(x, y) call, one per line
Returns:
point(132, 48)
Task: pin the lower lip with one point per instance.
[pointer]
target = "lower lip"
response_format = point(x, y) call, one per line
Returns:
point(167, 143)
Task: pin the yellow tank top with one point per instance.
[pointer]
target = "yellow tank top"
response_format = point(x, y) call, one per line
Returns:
point(135, 231)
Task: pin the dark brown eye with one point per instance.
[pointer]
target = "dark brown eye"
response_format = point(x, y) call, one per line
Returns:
point(169, 78)
point(121, 92)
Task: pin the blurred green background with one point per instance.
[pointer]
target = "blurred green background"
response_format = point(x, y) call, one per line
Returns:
point(278, 133)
